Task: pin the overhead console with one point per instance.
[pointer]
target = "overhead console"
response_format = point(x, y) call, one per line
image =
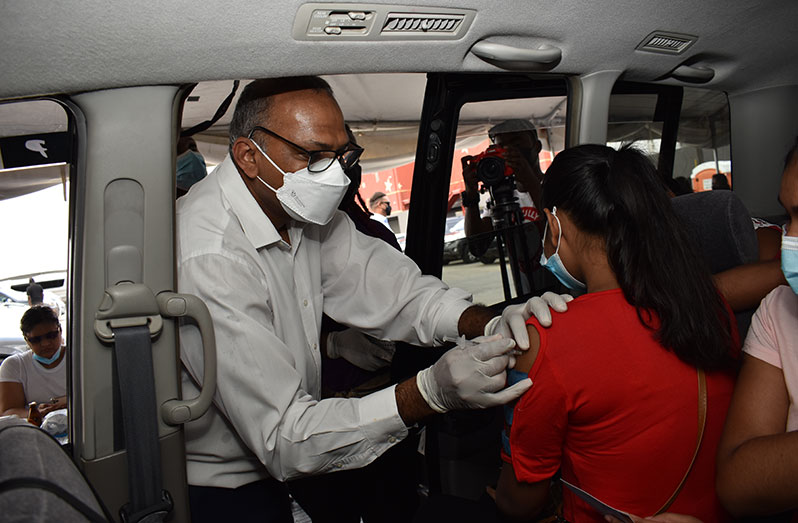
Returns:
point(379, 22)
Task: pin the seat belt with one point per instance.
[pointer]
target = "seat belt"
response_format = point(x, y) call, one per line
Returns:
point(149, 502)
point(127, 319)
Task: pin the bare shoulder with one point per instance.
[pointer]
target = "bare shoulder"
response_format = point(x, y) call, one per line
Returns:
point(527, 359)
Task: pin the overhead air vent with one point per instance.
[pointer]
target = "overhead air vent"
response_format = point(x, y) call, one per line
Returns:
point(336, 22)
point(666, 43)
point(421, 23)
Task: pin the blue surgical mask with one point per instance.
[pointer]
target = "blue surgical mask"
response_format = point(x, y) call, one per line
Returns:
point(47, 361)
point(190, 169)
point(555, 264)
point(789, 260)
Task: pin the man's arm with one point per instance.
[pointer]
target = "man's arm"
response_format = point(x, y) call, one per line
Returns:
point(757, 460)
point(529, 175)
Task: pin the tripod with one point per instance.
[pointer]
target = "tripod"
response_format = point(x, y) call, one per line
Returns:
point(508, 226)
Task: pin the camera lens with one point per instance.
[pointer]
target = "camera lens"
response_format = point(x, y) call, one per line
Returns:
point(491, 170)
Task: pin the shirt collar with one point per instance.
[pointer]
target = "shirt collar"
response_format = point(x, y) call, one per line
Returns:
point(258, 228)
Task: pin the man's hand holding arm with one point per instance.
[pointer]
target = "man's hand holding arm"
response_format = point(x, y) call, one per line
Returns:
point(511, 324)
point(469, 376)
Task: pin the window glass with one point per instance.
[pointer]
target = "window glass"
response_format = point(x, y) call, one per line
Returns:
point(702, 141)
point(35, 149)
point(631, 119)
point(481, 261)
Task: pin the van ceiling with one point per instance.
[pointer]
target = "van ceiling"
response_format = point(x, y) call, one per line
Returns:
point(57, 47)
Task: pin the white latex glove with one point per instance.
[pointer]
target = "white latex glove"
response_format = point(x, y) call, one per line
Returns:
point(360, 349)
point(512, 322)
point(471, 376)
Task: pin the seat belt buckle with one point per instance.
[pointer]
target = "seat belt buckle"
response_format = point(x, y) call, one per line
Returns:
point(127, 305)
point(153, 514)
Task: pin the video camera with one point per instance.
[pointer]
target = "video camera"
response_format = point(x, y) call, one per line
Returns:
point(496, 176)
point(491, 167)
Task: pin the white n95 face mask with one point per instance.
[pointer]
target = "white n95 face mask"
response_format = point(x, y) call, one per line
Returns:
point(310, 197)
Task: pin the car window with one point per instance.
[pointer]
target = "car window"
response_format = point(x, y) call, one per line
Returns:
point(35, 154)
point(487, 270)
point(639, 114)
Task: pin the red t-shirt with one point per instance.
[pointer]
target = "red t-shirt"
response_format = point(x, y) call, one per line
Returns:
point(618, 414)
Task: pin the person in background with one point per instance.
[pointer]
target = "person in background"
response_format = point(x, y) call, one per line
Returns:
point(758, 454)
point(190, 165)
point(720, 182)
point(35, 293)
point(38, 374)
point(680, 185)
point(380, 205)
point(520, 140)
point(616, 378)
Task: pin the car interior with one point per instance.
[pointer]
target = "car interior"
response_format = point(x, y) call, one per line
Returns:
point(95, 96)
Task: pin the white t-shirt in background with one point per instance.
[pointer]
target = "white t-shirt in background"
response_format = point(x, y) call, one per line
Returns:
point(39, 383)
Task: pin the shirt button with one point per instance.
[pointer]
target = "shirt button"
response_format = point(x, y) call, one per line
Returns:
point(314, 346)
point(338, 465)
point(391, 439)
point(305, 303)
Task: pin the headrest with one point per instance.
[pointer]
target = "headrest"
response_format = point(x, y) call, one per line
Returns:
point(720, 226)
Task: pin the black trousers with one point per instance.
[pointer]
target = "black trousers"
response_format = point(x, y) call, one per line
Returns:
point(386, 491)
point(264, 501)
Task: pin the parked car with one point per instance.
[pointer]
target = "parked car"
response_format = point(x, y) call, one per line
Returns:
point(456, 245)
point(11, 340)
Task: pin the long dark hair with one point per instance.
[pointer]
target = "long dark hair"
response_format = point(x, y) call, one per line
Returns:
point(618, 196)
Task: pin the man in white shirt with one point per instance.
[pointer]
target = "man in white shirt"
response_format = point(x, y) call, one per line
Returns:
point(261, 242)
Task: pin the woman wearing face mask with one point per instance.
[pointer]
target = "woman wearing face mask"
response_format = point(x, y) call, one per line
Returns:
point(758, 455)
point(617, 380)
point(38, 374)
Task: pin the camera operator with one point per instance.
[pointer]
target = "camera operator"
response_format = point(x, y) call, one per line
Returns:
point(519, 141)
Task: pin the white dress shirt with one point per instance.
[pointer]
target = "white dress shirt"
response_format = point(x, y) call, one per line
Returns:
point(382, 219)
point(266, 298)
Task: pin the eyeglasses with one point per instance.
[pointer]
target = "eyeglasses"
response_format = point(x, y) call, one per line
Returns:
point(321, 160)
point(35, 340)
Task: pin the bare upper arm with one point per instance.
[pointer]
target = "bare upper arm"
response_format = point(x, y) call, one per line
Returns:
point(759, 405)
point(526, 360)
point(12, 396)
point(519, 501)
point(746, 285)
point(769, 243)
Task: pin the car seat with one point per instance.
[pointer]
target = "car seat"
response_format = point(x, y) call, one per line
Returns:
point(721, 227)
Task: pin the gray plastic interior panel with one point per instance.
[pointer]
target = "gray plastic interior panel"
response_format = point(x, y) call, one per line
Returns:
point(595, 105)
point(125, 211)
point(764, 125)
point(335, 22)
